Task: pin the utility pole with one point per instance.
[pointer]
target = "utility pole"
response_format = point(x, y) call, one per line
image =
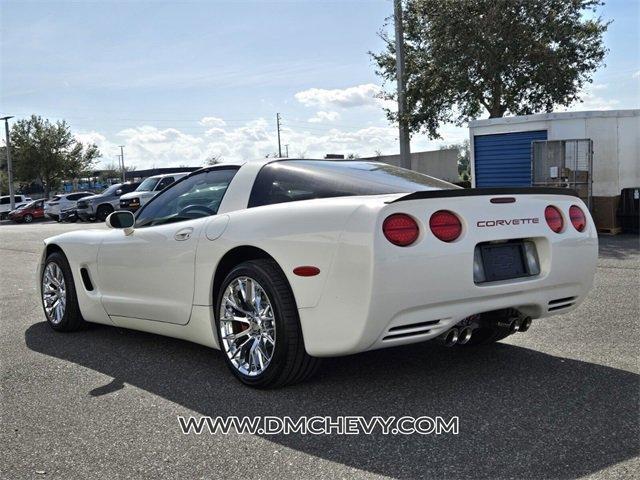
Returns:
point(278, 124)
point(12, 198)
point(122, 160)
point(405, 148)
point(286, 150)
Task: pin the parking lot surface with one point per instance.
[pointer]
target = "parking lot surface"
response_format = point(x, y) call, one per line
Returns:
point(560, 401)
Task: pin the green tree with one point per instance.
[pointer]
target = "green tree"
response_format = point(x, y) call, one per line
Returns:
point(213, 160)
point(47, 152)
point(464, 57)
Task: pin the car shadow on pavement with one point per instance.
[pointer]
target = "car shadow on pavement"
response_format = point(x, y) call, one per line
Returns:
point(523, 414)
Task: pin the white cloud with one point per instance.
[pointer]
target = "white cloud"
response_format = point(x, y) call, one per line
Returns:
point(592, 101)
point(148, 146)
point(636, 74)
point(90, 137)
point(212, 122)
point(360, 95)
point(322, 116)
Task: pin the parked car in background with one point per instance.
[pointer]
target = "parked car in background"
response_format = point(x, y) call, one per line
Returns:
point(98, 207)
point(5, 204)
point(69, 215)
point(63, 201)
point(27, 213)
point(147, 190)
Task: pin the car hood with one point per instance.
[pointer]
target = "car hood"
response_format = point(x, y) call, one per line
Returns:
point(92, 197)
point(136, 194)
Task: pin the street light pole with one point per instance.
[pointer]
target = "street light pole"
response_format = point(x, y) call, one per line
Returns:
point(405, 148)
point(12, 197)
point(122, 160)
point(278, 125)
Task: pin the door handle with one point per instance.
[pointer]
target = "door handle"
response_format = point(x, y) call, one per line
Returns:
point(184, 234)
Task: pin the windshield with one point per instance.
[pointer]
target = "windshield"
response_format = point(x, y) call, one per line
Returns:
point(148, 185)
point(197, 196)
point(111, 190)
point(28, 205)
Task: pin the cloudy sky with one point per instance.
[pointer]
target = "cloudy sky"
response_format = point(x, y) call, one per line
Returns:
point(177, 82)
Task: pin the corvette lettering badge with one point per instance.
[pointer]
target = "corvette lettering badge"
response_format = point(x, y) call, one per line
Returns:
point(513, 221)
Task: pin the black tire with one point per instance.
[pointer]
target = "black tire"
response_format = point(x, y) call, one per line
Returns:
point(486, 336)
point(103, 212)
point(72, 319)
point(290, 362)
point(28, 218)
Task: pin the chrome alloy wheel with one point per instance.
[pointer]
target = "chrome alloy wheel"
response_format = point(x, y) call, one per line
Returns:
point(54, 293)
point(247, 326)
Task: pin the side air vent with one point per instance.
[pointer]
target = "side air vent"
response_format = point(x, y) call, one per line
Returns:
point(86, 279)
point(409, 330)
point(560, 303)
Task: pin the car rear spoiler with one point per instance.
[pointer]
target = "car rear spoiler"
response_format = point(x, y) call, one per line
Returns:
point(475, 192)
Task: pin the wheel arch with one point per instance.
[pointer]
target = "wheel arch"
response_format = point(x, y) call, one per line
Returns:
point(51, 248)
point(229, 260)
point(105, 204)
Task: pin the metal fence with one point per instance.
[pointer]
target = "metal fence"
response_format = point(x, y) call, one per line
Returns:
point(563, 163)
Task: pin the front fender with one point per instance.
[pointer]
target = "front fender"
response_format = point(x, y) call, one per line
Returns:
point(81, 251)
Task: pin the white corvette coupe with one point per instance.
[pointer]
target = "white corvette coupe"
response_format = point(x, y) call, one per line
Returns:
point(280, 262)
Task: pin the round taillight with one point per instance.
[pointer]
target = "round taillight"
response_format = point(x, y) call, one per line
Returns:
point(445, 225)
point(554, 218)
point(578, 220)
point(400, 229)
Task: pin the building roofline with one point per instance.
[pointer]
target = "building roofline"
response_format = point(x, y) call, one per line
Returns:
point(540, 117)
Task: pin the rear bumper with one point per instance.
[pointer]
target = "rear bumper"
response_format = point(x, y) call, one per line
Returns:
point(374, 296)
point(442, 297)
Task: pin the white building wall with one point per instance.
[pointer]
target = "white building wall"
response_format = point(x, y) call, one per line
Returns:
point(629, 151)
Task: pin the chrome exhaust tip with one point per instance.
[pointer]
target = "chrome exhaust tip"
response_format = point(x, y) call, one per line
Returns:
point(526, 324)
point(449, 338)
point(465, 335)
point(515, 326)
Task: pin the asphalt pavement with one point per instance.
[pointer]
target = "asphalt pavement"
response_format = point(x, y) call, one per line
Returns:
point(560, 401)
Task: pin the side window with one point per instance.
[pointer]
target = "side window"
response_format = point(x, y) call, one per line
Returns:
point(278, 184)
point(165, 182)
point(18, 198)
point(197, 196)
point(5, 201)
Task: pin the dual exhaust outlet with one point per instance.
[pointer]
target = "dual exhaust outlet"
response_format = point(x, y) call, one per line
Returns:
point(456, 336)
point(462, 335)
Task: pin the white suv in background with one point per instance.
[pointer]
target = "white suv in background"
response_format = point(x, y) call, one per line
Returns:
point(63, 201)
point(5, 204)
point(132, 201)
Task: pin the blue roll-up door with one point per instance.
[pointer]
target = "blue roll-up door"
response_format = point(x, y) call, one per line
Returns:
point(504, 159)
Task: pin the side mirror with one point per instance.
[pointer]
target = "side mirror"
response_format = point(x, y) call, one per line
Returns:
point(119, 192)
point(121, 219)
